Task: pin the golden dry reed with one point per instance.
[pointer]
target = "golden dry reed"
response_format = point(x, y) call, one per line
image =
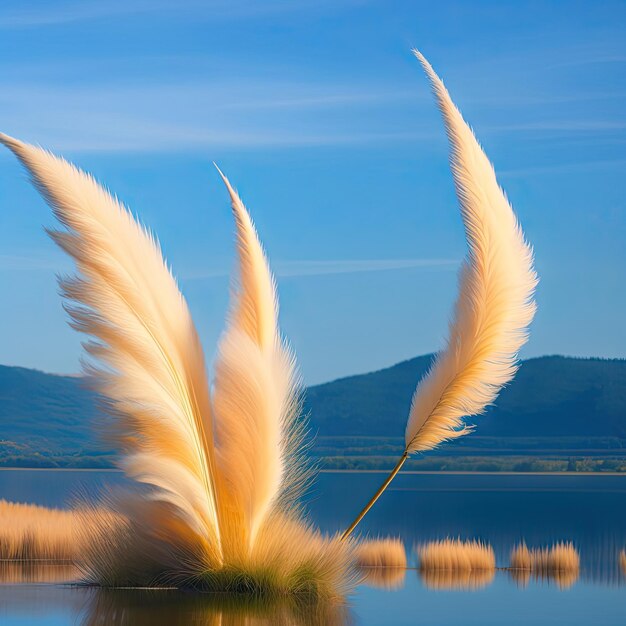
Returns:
point(387, 552)
point(28, 531)
point(456, 555)
point(622, 560)
point(559, 563)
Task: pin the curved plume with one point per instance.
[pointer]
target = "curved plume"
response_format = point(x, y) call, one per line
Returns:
point(150, 364)
point(495, 303)
point(494, 307)
point(255, 398)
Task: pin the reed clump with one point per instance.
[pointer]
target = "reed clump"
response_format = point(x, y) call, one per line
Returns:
point(289, 557)
point(33, 532)
point(29, 532)
point(382, 562)
point(456, 555)
point(387, 552)
point(562, 556)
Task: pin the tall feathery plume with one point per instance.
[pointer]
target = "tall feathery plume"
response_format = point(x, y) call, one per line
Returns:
point(256, 398)
point(494, 308)
point(149, 363)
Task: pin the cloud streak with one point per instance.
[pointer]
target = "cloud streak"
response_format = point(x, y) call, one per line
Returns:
point(299, 269)
point(47, 14)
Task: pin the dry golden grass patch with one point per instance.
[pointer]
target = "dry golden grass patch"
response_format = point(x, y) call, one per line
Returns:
point(559, 557)
point(32, 532)
point(288, 558)
point(382, 562)
point(388, 552)
point(28, 531)
point(456, 555)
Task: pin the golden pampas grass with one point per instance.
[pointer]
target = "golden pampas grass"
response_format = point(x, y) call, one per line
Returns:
point(289, 557)
point(220, 467)
point(212, 512)
point(456, 555)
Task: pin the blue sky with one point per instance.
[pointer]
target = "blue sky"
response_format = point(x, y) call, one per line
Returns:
point(321, 117)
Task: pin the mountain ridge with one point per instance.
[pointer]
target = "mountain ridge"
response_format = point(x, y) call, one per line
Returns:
point(554, 403)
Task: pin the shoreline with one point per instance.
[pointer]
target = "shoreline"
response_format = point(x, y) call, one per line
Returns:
point(341, 471)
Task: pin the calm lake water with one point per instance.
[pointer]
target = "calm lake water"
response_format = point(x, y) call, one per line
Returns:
point(500, 509)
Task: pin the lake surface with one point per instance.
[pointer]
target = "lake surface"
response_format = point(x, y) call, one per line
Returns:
point(589, 510)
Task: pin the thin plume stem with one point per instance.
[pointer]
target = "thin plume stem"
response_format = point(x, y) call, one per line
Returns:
point(377, 495)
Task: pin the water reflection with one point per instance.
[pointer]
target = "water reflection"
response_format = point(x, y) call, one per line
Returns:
point(466, 580)
point(152, 607)
point(563, 579)
point(500, 510)
point(389, 578)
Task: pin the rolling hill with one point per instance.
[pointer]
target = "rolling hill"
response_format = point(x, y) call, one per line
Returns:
point(559, 413)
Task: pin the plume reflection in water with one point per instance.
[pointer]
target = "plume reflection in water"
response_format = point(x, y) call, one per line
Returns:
point(158, 607)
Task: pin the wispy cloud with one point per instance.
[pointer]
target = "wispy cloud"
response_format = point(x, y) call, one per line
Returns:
point(298, 269)
point(241, 114)
point(562, 125)
point(186, 115)
point(282, 269)
point(562, 168)
point(26, 262)
point(52, 14)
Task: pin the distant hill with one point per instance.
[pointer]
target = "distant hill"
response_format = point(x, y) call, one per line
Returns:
point(551, 396)
point(47, 419)
point(558, 411)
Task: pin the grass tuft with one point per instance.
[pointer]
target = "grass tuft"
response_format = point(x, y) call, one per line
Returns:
point(456, 555)
point(382, 562)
